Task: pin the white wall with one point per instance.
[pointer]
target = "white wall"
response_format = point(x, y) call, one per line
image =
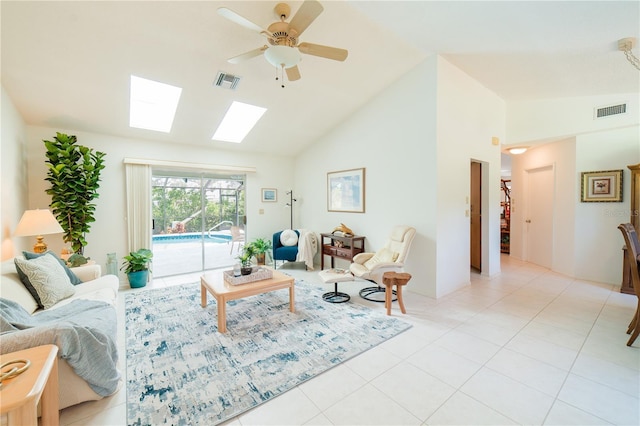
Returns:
point(598, 242)
point(108, 232)
point(469, 116)
point(416, 140)
point(586, 243)
point(561, 156)
point(556, 119)
point(13, 174)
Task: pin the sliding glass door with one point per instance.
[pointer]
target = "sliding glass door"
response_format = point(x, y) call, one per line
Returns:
point(193, 218)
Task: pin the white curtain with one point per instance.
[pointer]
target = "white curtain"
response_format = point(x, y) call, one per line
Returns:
point(139, 214)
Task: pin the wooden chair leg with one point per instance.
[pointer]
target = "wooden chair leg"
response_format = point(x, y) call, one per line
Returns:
point(388, 296)
point(634, 322)
point(400, 301)
point(633, 336)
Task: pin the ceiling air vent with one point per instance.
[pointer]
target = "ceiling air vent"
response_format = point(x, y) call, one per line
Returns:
point(610, 110)
point(226, 81)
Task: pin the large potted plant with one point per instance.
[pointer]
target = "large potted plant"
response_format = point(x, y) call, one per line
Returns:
point(136, 266)
point(260, 248)
point(74, 174)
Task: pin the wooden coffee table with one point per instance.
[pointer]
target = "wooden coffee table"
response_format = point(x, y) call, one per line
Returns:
point(222, 291)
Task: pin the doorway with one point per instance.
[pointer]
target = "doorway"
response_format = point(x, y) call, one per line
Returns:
point(475, 219)
point(192, 219)
point(538, 223)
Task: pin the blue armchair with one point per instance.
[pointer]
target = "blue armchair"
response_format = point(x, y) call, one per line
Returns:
point(282, 252)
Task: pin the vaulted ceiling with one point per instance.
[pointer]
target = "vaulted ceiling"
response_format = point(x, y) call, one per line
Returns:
point(67, 64)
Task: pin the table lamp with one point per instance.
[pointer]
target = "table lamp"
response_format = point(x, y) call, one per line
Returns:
point(38, 222)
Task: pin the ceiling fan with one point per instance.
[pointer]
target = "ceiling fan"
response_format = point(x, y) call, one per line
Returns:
point(284, 51)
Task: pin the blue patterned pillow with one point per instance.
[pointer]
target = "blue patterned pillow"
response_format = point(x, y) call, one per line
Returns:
point(72, 277)
point(47, 277)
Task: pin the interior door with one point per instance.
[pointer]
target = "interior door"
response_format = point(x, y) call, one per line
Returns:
point(476, 216)
point(538, 230)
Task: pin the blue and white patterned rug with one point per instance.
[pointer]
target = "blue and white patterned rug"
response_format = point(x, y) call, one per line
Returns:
point(180, 370)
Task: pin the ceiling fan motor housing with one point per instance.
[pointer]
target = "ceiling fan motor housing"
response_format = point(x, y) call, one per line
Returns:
point(282, 35)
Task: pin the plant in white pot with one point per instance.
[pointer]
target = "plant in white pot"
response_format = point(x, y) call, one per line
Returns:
point(136, 266)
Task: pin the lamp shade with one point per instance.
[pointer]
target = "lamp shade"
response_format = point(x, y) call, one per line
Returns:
point(282, 56)
point(37, 222)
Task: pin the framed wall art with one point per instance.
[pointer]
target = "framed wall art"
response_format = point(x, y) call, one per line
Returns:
point(604, 186)
point(269, 195)
point(346, 190)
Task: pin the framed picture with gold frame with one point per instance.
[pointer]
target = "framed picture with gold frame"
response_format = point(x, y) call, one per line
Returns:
point(604, 186)
point(345, 191)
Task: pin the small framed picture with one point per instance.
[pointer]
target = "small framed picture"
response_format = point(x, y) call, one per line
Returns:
point(605, 186)
point(269, 195)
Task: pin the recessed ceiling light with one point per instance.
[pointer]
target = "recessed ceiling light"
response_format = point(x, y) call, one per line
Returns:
point(238, 122)
point(518, 150)
point(153, 105)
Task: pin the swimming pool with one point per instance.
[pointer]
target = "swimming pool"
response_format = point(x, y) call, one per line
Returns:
point(190, 237)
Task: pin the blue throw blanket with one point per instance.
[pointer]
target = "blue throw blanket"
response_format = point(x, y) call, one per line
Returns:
point(84, 332)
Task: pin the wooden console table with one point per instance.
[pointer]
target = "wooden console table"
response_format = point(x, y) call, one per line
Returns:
point(341, 247)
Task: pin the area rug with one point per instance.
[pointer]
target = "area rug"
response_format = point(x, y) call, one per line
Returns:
point(180, 370)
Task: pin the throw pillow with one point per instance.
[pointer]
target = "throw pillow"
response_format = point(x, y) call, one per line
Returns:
point(72, 277)
point(383, 255)
point(27, 284)
point(47, 276)
point(288, 238)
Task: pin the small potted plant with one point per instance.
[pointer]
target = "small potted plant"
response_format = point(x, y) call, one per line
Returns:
point(136, 266)
point(245, 259)
point(260, 248)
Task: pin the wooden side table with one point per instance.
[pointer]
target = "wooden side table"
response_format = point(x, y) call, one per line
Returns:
point(398, 279)
point(19, 396)
point(340, 247)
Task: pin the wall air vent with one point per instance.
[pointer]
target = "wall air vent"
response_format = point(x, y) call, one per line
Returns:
point(610, 110)
point(226, 81)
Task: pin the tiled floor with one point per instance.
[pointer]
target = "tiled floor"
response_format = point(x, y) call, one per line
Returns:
point(526, 347)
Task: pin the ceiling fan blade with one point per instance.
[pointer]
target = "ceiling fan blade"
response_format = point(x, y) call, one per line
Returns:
point(240, 20)
point(307, 13)
point(323, 51)
point(247, 55)
point(293, 73)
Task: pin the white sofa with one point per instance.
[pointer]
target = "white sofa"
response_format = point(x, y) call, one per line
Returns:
point(72, 388)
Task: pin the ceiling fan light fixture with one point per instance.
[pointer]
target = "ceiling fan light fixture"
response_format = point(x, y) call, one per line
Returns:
point(282, 56)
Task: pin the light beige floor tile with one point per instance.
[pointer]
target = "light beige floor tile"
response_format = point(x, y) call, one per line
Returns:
point(447, 366)
point(487, 331)
point(536, 374)
point(601, 401)
point(290, 408)
point(615, 376)
point(409, 342)
point(563, 414)
point(555, 335)
point(90, 409)
point(319, 420)
point(420, 393)
point(467, 346)
point(508, 397)
point(552, 354)
point(369, 406)
point(329, 387)
point(461, 409)
point(372, 363)
point(111, 416)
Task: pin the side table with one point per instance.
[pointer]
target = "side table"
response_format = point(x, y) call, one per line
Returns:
point(19, 396)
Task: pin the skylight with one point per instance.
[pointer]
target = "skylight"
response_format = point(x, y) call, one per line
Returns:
point(238, 122)
point(153, 105)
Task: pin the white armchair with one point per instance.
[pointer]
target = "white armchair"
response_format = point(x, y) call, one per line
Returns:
point(371, 266)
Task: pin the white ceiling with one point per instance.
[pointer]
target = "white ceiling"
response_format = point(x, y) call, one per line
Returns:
point(67, 64)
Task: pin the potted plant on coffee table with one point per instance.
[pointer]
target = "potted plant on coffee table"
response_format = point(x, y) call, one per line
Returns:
point(245, 259)
point(136, 266)
point(260, 248)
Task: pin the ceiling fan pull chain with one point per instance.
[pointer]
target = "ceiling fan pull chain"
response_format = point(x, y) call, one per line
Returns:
point(283, 74)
